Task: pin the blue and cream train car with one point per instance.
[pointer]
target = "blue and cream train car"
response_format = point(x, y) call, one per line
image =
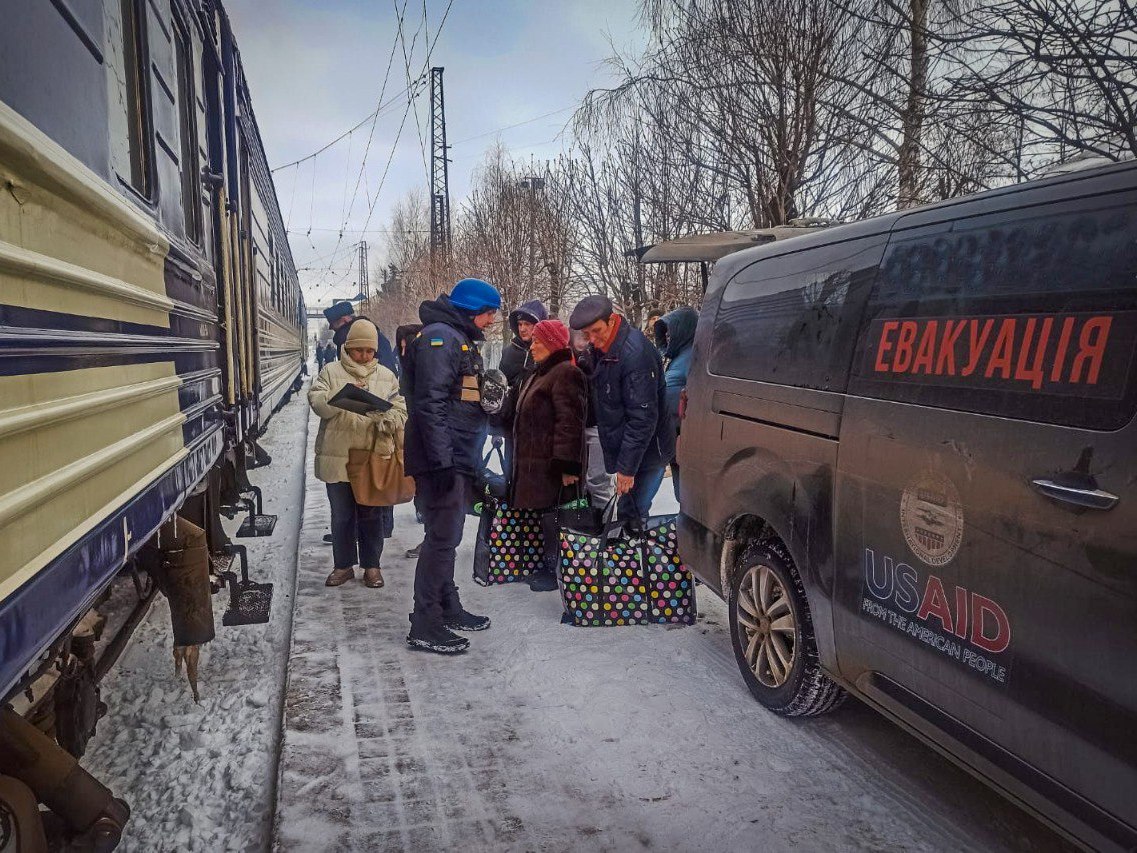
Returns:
point(150, 316)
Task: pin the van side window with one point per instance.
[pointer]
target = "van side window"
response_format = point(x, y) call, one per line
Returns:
point(792, 319)
point(1027, 314)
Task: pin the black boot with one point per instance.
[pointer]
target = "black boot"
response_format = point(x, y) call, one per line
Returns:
point(413, 553)
point(432, 636)
point(462, 620)
point(542, 581)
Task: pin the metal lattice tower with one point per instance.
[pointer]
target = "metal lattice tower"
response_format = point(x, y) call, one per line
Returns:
point(364, 285)
point(439, 172)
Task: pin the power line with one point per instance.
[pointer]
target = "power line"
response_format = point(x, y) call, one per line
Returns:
point(511, 126)
point(380, 109)
point(407, 68)
point(411, 95)
point(371, 135)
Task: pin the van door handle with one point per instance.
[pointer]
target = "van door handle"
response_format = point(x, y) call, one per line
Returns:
point(1088, 498)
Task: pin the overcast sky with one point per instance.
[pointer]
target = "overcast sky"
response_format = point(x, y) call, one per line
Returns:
point(316, 68)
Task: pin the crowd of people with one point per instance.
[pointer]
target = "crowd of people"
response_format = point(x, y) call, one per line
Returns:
point(592, 412)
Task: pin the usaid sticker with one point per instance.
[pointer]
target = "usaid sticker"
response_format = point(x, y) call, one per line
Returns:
point(931, 516)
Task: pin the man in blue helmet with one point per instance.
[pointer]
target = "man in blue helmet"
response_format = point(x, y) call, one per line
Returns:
point(445, 432)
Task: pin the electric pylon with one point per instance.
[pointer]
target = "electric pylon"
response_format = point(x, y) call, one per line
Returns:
point(364, 284)
point(439, 173)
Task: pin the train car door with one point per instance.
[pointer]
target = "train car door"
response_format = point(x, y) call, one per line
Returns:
point(988, 509)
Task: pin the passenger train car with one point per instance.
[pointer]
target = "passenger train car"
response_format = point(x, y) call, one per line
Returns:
point(151, 320)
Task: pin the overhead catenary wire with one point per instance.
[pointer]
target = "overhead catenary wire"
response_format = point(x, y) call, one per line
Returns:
point(512, 126)
point(407, 68)
point(381, 109)
point(371, 135)
point(411, 92)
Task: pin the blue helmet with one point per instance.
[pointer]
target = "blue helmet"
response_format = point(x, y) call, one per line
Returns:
point(475, 295)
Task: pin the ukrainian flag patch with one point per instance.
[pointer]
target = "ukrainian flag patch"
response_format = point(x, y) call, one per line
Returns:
point(436, 342)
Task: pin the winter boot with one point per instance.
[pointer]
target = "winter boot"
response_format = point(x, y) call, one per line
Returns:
point(461, 620)
point(432, 636)
point(413, 553)
point(373, 577)
point(542, 581)
point(338, 577)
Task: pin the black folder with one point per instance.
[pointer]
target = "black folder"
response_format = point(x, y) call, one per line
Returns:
point(352, 398)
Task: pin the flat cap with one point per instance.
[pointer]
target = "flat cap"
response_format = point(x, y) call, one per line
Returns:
point(339, 309)
point(589, 310)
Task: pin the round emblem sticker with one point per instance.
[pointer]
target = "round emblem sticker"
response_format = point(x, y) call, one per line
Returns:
point(931, 517)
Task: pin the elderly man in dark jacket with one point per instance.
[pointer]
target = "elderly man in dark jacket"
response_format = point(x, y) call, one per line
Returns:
point(675, 338)
point(629, 399)
point(445, 431)
point(516, 359)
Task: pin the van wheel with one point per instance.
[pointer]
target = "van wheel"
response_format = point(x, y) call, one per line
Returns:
point(772, 635)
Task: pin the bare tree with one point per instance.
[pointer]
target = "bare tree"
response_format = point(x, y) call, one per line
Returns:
point(1062, 72)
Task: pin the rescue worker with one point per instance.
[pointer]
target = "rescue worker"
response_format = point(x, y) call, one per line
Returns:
point(629, 399)
point(445, 433)
point(675, 337)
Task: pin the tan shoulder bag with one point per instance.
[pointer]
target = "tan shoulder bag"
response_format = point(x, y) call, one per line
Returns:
point(378, 480)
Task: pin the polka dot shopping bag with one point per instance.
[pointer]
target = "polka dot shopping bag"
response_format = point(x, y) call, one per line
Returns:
point(509, 546)
point(617, 576)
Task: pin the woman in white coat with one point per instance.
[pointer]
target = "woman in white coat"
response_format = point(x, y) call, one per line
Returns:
point(357, 531)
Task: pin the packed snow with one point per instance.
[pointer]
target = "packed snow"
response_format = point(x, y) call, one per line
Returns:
point(202, 777)
point(541, 737)
point(549, 737)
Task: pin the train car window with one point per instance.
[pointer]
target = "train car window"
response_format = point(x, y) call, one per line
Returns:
point(134, 67)
point(187, 126)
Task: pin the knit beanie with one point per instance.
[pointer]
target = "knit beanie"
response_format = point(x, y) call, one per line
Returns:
point(475, 296)
point(362, 335)
point(340, 309)
point(553, 334)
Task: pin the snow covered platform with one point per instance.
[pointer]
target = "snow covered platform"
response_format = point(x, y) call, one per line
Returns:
point(548, 737)
point(202, 777)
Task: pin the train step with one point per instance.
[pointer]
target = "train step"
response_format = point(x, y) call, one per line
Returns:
point(250, 603)
point(257, 523)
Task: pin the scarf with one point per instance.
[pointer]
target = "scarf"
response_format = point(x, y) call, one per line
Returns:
point(358, 371)
point(612, 335)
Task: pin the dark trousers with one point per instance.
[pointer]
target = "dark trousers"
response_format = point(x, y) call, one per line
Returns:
point(357, 531)
point(551, 538)
point(636, 504)
point(444, 516)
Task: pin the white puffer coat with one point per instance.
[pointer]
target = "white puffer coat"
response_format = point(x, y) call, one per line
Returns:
point(341, 431)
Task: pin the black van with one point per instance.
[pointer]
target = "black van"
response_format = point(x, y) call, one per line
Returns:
point(915, 480)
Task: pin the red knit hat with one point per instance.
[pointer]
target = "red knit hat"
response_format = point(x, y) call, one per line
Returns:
point(553, 334)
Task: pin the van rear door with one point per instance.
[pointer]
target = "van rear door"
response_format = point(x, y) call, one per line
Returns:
point(987, 495)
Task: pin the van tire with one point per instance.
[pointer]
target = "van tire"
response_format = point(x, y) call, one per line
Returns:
point(806, 690)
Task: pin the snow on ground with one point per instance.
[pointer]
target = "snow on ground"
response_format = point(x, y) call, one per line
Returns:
point(201, 777)
point(548, 737)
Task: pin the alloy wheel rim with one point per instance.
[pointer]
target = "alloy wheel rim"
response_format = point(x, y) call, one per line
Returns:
point(766, 626)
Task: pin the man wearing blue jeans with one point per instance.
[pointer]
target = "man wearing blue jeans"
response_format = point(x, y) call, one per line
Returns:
point(628, 398)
